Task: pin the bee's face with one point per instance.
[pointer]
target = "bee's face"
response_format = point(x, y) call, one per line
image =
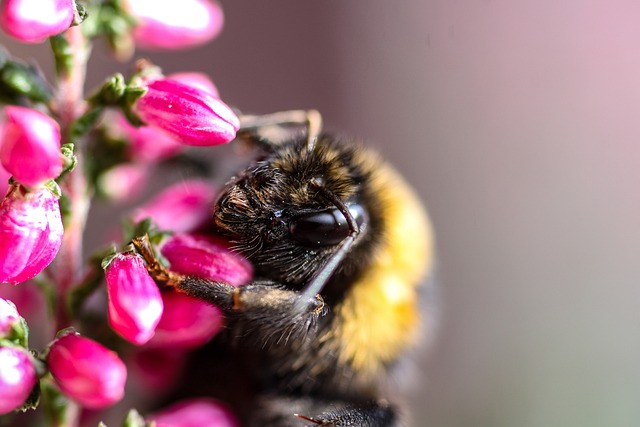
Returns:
point(277, 216)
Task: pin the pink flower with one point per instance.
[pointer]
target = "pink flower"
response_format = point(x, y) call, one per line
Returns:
point(198, 80)
point(17, 378)
point(86, 371)
point(30, 233)
point(124, 181)
point(182, 207)
point(135, 304)
point(30, 146)
point(195, 413)
point(175, 25)
point(4, 180)
point(9, 317)
point(186, 322)
point(206, 257)
point(32, 21)
point(147, 144)
point(191, 115)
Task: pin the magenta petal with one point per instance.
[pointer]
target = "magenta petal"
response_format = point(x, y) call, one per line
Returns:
point(86, 371)
point(201, 412)
point(182, 207)
point(17, 378)
point(30, 146)
point(198, 80)
point(32, 21)
point(30, 233)
point(186, 322)
point(135, 304)
point(175, 25)
point(206, 257)
point(192, 115)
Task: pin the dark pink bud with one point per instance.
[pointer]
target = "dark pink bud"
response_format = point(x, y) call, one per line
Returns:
point(32, 21)
point(195, 413)
point(206, 257)
point(199, 80)
point(30, 233)
point(191, 115)
point(186, 322)
point(175, 24)
point(135, 303)
point(17, 378)
point(30, 146)
point(182, 207)
point(9, 317)
point(87, 371)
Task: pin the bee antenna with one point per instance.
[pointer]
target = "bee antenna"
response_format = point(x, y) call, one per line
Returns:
point(317, 283)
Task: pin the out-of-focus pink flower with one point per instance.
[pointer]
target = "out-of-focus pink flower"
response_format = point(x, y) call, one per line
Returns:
point(135, 304)
point(186, 322)
point(17, 378)
point(199, 80)
point(9, 316)
point(206, 257)
point(192, 115)
point(182, 207)
point(124, 181)
point(30, 233)
point(30, 146)
point(4, 181)
point(146, 143)
point(175, 25)
point(86, 371)
point(32, 21)
point(201, 412)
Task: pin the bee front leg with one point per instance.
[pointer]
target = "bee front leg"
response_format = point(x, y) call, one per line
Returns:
point(254, 305)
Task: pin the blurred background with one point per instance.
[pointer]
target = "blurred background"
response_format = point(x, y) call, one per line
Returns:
point(518, 123)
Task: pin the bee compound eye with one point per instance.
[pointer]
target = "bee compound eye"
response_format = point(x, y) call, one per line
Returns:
point(324, 228)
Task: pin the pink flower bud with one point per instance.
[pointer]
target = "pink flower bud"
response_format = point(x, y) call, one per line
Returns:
point(195, 413)
point(206, 257)
point(124, 181)
point(32, 21)
point(86, 371)
point(147, 144)
point(175, 25)
point(186, 322)
point(198, 80)
point(17, 378)
point(9, 317)
point(193, 116)
point(30, 233)
point(135, 303)
point(182, 207)
point(30, 146)
point(4, 181)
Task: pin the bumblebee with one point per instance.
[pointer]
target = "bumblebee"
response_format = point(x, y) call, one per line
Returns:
point(340, 246)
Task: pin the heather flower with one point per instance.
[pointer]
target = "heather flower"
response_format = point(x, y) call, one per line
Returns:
point(135, 304)
point(198, 80)
point(206, 257)
point(30, 233)
point(86, 371)
point(175, 25)
point(17, 378)
point(32, 21)
point(9, 317)
point(124, 181)
point(201, 412)
point(181, 207)
point(186, 322)
point(146, 143)
point(30, 146)
point(193, 116)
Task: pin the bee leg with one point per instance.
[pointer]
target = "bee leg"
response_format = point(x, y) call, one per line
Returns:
point(283, 411)
point(252, 126)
